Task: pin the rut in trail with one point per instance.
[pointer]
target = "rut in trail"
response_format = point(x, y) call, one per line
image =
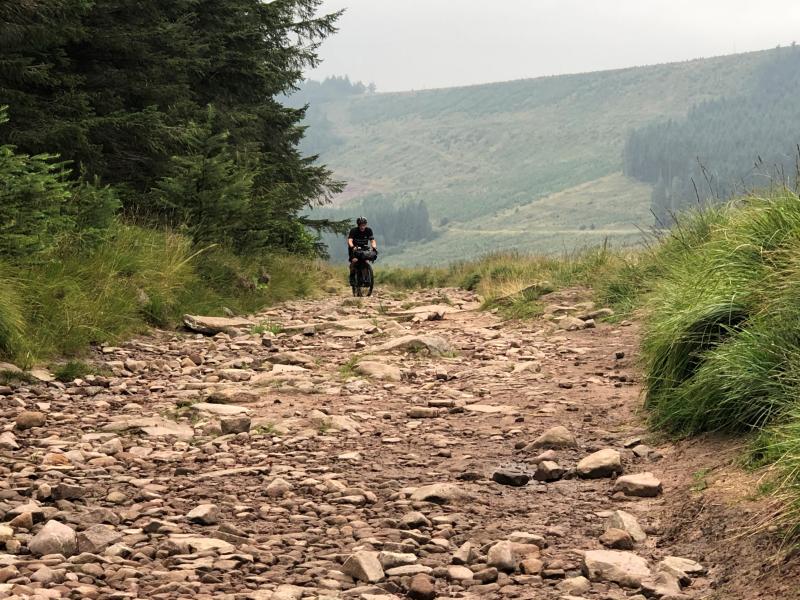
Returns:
point(368, 451)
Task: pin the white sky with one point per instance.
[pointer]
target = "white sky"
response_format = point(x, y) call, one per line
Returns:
point(418, 44)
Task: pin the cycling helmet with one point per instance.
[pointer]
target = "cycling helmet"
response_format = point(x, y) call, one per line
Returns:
point(361, 221)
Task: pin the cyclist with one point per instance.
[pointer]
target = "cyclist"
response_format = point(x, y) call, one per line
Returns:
point(359, 238)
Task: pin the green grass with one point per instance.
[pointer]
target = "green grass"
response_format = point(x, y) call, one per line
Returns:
point(722, 336)
point(72, 370)
point(135, 278)
point(265, 326)
point(348, 369)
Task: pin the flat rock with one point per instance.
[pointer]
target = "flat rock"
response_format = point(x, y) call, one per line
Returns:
point(287, 592)
point(226, 410)
point(292, 359)
point(42, 375)
point(511, 477)
point(623, 568)
point(408, 571)
point(97, 538)
point(603, 463)
point(152, 426)
point(459, 573)
point(233, 395)
point(199, 543)
point(491, 409)
point(390, 560)
point(663, 585)
point(338, 422)
point(206, 514)
point(555, 438)
point(440, 493)
point(214, 325)
point(643, 485)
point(683, 568)
point(432, 344)
point(378, 370)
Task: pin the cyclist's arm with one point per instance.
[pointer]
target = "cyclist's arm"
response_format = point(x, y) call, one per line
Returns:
point(350, 242)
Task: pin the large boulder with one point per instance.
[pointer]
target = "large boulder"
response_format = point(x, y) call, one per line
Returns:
point(54, 538)
point(364, 566)
point(620, 519)
point(603, 463)
point(507, 555)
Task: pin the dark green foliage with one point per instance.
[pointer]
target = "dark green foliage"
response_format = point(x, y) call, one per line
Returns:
point(206, 190)
point(39, 204)
point(726, 146)
point(120, 93)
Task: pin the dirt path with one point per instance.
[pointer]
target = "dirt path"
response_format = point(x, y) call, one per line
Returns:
point(324, 463)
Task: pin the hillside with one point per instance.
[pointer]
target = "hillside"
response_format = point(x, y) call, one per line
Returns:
point(474, 153)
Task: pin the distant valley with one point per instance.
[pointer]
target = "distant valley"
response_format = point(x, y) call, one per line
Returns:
point(531, 165)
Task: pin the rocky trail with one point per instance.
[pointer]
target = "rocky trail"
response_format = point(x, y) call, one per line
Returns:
point(398, 448)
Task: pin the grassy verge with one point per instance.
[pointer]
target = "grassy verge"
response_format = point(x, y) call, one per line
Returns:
point(515, 282)
point(720, 300)
point(135, 278)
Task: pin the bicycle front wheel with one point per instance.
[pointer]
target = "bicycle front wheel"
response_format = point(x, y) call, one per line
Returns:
point(370, 279)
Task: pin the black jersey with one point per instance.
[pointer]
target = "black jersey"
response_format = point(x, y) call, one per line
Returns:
point(360, 238)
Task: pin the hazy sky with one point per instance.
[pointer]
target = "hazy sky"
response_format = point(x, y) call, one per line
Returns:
point(417, 44)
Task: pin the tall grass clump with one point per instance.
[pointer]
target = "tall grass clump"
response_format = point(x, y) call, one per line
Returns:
point(722, 328)
point(132, 278)
point(12, 320)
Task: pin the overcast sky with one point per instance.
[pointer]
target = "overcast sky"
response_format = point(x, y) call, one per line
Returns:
point(418, 44)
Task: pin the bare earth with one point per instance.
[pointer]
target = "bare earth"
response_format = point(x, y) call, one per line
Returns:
point(365, 471)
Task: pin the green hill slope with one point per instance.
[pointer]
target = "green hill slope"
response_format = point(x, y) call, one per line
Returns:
point(474, 153)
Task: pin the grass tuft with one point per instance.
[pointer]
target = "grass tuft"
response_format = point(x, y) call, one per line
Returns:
point(72, 370)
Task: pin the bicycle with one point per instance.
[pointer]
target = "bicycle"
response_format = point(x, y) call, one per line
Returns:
point(363, 281)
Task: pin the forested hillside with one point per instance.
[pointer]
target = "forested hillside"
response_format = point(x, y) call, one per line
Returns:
point(745, 140)
point(476, 154)
point(147, 164)
point(394, 225)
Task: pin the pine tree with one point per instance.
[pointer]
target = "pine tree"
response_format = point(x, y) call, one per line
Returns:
point(207, 191)
point(119, 91)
